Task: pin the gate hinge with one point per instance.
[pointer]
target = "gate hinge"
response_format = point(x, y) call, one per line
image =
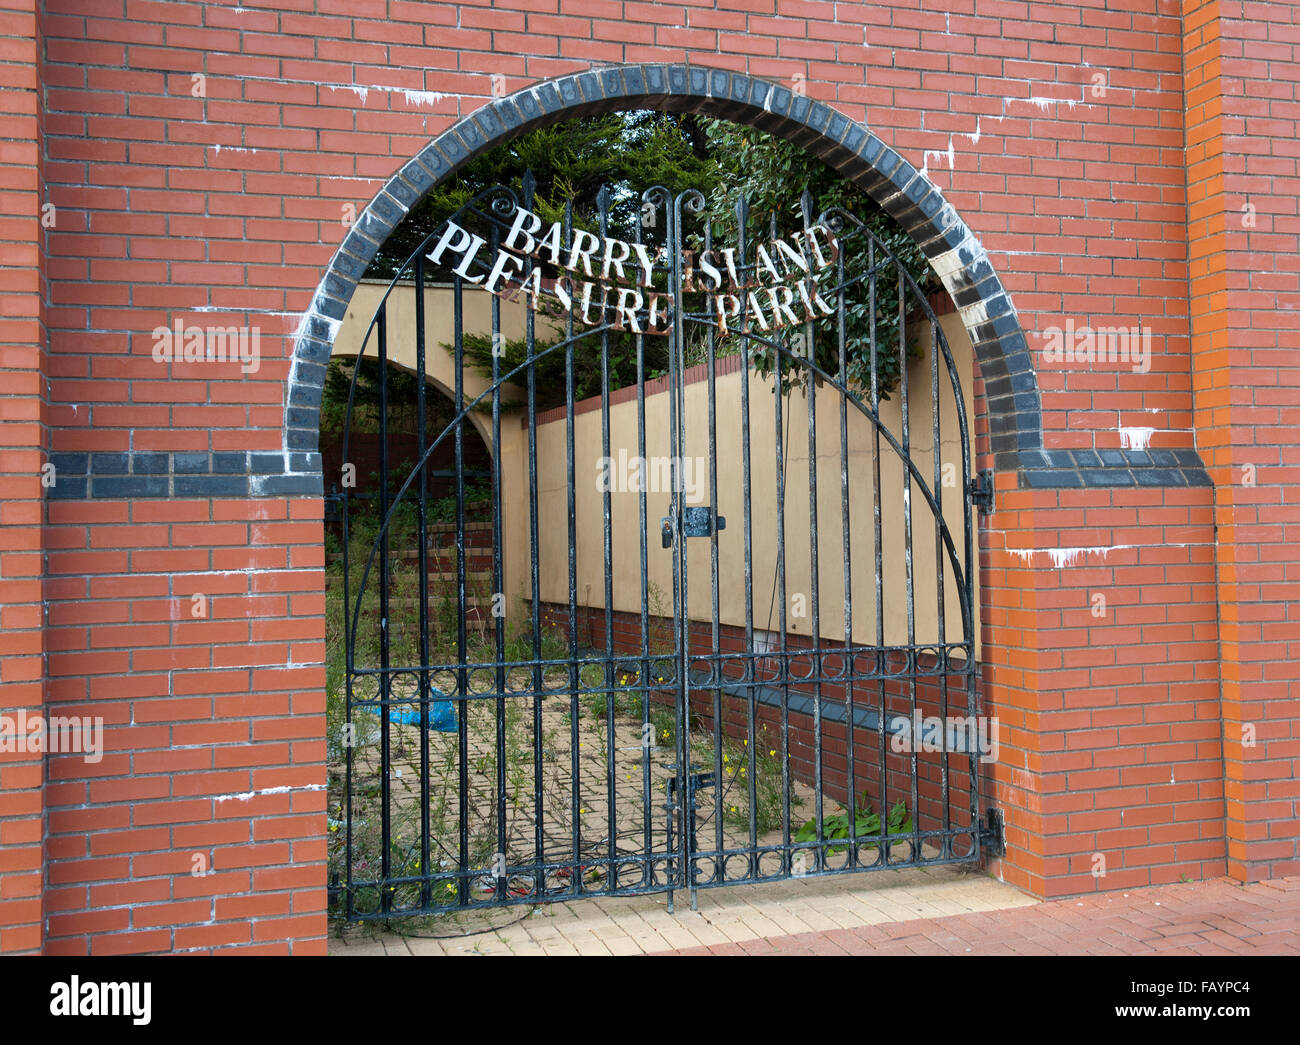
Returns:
point(981, 491)
point(992, 838)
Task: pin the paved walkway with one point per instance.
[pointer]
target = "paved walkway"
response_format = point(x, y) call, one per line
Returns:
point(1215, 917)
point(735, 915)
point(934, 910)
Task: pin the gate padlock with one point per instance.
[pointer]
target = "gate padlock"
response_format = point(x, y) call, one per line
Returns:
point(696, 522)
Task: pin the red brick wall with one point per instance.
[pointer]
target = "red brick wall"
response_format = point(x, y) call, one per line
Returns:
point(228, 193)
point(24, 438)
point(201, 826)
point(1244, 247)
point(1102, 672)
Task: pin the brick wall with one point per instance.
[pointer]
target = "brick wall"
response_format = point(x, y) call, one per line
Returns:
point(1100, 665)
point(203, 160)
point(191, 627)
point(1244, 286)
point(24, 439)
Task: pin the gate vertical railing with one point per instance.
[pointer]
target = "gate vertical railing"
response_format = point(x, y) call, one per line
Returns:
point(422, 564)
point(643, 541)
point(534, 543)
point(681, 807)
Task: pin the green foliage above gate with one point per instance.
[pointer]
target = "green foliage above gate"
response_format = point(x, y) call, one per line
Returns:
point(629, 152)
point(771, 174)
point(570, 161)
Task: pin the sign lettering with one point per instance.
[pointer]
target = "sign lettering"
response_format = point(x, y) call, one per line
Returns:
point(603, 279)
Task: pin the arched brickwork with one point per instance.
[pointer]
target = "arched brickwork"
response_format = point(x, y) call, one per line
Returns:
point(1014, 405)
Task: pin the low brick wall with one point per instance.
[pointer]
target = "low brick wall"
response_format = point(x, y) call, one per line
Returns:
point(876, 769)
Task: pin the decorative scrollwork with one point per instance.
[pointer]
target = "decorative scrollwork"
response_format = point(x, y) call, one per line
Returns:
point(838, 219)
point(504, 203)
point(692, 201)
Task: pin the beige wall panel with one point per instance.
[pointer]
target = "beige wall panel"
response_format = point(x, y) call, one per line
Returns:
point(730, 497)
point(552, 472)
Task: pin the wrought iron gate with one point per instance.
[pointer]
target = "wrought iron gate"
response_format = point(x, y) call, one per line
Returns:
point(743, 725)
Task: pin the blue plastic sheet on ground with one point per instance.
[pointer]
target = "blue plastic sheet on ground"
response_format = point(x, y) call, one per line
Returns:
point(442, 716)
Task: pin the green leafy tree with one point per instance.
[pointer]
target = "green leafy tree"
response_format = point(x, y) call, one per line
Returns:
point(630, 152)
point(772, 174)
point(571, 162)
point(401, 396)
point(574, 160)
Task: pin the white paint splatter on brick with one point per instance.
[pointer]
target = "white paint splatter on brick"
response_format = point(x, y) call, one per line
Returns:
point(423, 97)
point(333, 324)
point(361, 92)
point(1038, 101)
point(1135, 438)
point(974, 314)
point(950, 153)
point(412, 97)
point(1063, 557)
point(262, 509)
point(247, 795)
point(1041, 102)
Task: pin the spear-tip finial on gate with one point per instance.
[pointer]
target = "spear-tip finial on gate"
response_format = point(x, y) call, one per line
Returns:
point(806, 208)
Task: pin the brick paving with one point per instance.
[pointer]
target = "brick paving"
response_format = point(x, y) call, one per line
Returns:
point(1198, 918)
point(916, 911)
point(726, 917)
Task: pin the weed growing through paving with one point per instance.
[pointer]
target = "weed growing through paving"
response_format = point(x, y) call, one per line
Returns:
point(867, 823)
point(734, 780)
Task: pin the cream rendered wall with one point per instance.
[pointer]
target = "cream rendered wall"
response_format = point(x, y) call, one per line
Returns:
point(730, 495)
point(730, 500)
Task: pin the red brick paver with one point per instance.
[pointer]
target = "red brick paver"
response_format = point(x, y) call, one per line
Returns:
point(1214, 917)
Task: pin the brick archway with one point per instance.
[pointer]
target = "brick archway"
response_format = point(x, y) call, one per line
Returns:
point(1013, 401)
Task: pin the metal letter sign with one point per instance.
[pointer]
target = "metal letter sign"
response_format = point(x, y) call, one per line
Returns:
point(747, 698)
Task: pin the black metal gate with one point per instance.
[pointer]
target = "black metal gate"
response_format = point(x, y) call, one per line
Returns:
point(769, 710)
